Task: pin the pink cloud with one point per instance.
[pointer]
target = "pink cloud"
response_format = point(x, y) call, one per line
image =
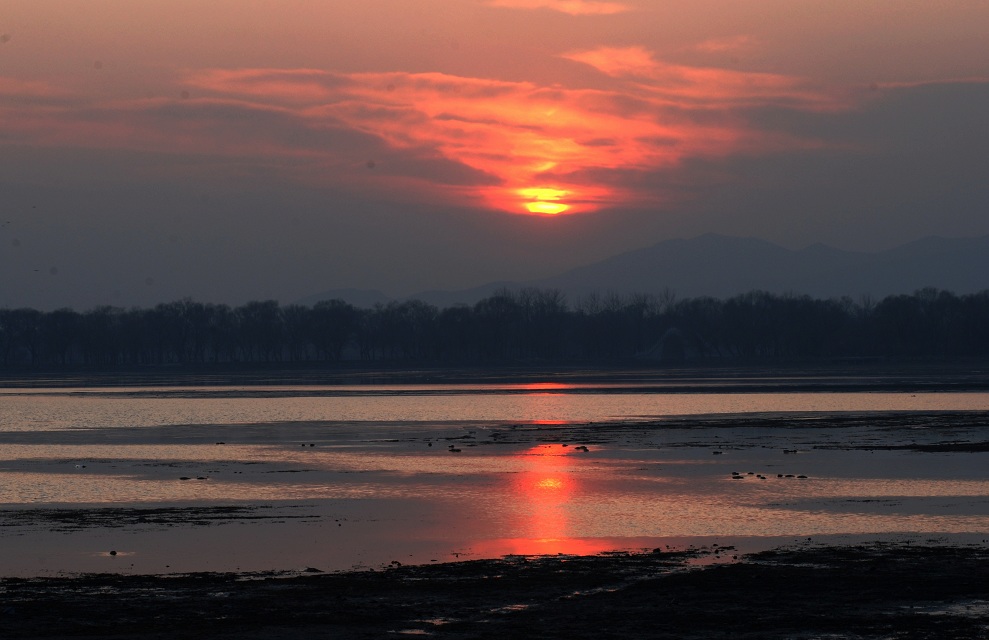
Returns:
point(731, 44)
point(16, 90)
point(705, 87)
point(572, 7)
point(505, 144)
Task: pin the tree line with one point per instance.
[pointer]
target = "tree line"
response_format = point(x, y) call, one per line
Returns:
point(527, 325)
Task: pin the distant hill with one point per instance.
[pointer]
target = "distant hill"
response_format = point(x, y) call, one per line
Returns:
point(723, 266)
point(357, 297)
point(712, 265)
point(466, 296)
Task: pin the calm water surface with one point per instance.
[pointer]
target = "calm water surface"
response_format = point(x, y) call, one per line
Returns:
point(371, 471)
point(50, 409)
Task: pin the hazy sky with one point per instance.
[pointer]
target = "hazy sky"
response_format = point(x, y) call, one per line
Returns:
point(246, 149)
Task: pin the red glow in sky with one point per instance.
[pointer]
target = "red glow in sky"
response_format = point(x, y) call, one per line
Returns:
point(442, 144)
point(543, 144)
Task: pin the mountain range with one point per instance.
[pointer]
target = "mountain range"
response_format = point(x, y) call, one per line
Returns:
point(723, 266)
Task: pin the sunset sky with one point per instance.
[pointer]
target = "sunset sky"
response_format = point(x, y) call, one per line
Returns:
point(248, 149)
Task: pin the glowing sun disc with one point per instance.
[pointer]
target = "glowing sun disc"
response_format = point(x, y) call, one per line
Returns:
point(542, 193)
point(548, 208)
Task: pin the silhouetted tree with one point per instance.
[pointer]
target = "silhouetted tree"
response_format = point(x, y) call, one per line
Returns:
point(332, 324)
point(260, 331)
point(457, 331)
point(507, 326)
point(498, 319)
point(20, 336)
point(61, 333)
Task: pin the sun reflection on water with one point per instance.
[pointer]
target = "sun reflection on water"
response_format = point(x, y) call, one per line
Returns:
point(546, 489)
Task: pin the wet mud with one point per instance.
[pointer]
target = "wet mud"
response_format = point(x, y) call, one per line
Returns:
point(924, 431)
point(68, 520)
point(874, 591)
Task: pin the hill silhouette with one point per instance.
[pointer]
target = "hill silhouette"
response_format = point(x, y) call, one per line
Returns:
point(723, 266)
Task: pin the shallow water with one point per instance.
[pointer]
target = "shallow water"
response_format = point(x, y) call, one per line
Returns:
point(81, 408)
point(365, 475)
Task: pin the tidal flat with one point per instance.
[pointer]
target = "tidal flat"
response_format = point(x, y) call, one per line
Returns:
point(338, 496)
point(567, 509)
point(865, 591)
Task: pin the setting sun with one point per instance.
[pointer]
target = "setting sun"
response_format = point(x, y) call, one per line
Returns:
point(547, 208)
point(544, 200)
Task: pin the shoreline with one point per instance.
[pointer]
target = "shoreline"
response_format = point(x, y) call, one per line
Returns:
point(731, 376)
point(876, 590)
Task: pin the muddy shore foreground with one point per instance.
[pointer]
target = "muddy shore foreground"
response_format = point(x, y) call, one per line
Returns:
point(874, 591)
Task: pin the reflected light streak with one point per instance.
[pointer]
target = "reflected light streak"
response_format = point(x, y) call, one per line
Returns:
point(545, 386)
point(544, 492)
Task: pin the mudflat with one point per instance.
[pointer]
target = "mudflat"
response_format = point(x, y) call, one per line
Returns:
point(906, 590)
point(175, 509)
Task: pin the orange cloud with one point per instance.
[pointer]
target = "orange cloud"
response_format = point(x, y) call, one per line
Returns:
point(510, 145)
point(573, 7)
point(533, 139)
point(705, 87)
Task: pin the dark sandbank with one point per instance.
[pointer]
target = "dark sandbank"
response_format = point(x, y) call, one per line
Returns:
point(730, 375)
point(871, 591)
